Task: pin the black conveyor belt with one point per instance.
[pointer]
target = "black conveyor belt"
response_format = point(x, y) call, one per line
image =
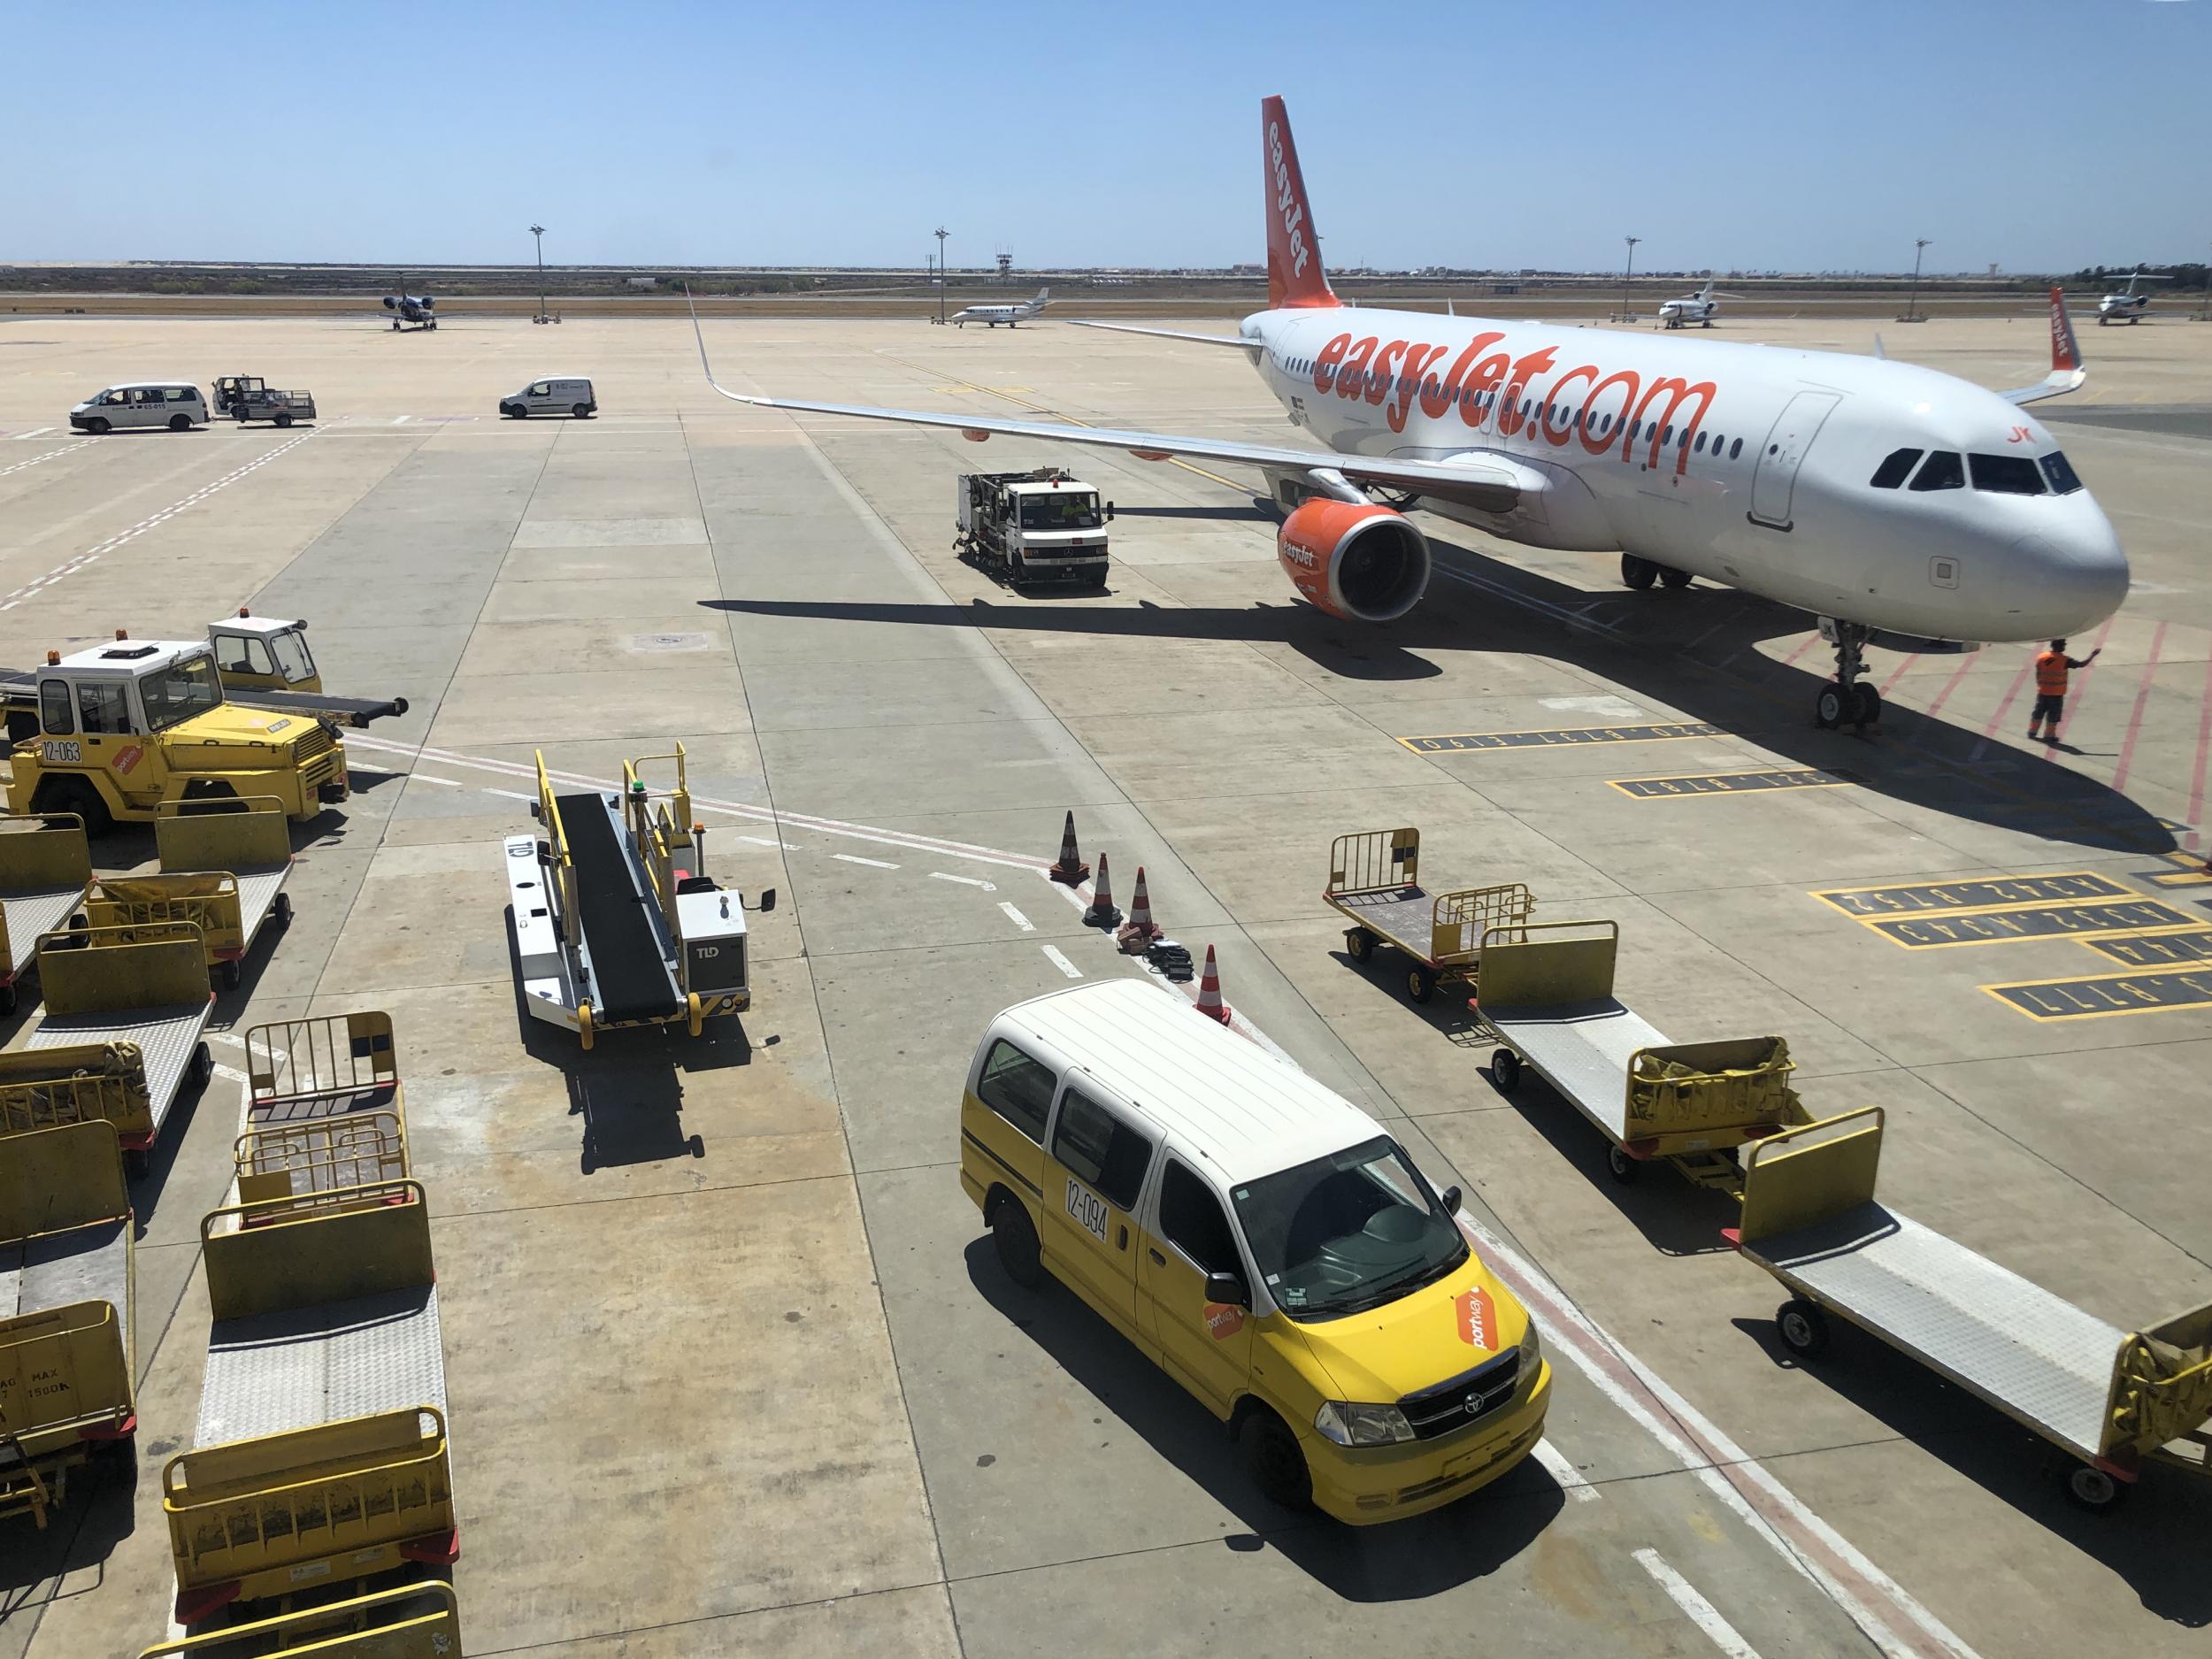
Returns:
point(626, 954)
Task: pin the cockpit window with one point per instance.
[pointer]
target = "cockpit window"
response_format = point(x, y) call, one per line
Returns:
point(1942, 470)
point(2060, 471)
point(2007, 475)
point(1894, 469)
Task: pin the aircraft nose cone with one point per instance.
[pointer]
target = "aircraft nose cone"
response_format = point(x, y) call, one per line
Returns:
point(2077, 578)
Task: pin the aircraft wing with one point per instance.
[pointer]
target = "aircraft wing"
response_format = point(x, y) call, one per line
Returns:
point(1252, 346)
point(2066, 374)
point(1494, 482)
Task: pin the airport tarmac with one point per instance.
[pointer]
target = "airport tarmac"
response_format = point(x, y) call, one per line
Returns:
point(730, 1365)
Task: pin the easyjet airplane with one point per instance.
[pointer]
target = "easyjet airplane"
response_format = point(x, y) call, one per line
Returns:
point(1903, 507)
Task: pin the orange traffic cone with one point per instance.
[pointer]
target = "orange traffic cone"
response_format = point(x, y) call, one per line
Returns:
point(1070, 871)
point(1140, 930)
point(1209, 1003)
point(1103, 912)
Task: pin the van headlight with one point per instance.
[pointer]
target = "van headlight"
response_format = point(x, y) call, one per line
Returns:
point(1532, 1350)
point(1362, 1426)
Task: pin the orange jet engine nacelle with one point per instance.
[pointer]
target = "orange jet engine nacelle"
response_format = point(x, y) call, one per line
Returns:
point(1355, 559)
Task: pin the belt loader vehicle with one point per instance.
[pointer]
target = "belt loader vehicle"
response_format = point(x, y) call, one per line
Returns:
point(2114, 1401)
point(1547, 996)
point(123, 727)
point(265, 664)
point(615, 925)
point(120, 1037)
point(1374, 883)
point(67, 1355)
point(222, 864)
point(320, 1456)
point(1040, 526)
point(45, 872)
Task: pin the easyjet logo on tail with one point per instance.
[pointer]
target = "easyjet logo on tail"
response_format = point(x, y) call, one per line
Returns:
point(1293, 252)
point(1288, 207)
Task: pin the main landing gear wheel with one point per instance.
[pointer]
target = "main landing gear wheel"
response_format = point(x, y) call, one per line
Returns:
point(1674, 577)
point(1638, 574)
point(1803, 1327)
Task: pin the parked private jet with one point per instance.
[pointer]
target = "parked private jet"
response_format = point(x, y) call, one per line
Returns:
point(2126, 306)
point(410, 308)
point(1700, 307)
point(1008, 314)
point(1903, 507)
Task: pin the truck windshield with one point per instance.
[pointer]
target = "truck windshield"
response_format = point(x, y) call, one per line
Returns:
point(291, 656)
point(180, 691)
point(1353, 1230)
point(1060, 510)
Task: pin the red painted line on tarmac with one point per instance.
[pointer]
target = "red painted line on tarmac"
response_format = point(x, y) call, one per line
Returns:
point(2204, 742)
point(1900, 674)
point(2018, 680)
point(1966, 661)
point(2079, 689)
point(2142, 698)
point(1809, 640)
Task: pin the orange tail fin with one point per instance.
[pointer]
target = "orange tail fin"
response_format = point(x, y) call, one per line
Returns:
point(1294, 278)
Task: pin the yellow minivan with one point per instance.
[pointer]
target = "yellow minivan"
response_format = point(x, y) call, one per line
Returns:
point(1261, 1238)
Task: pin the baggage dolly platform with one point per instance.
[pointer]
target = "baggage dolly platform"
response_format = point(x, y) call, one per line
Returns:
point(1547, 995)
point(1374, 884)
point(224, 863)
point(2114, 1401)
point(45, 868)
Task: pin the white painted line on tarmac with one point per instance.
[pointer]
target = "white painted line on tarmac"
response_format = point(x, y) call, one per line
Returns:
point(1569, 1479)
point(965, 882)
point(1699, 1612)
point(1054, 955)
point(769, 840)
point(855, 858)
point(230, 1071)
point(228, 1039)
point(1017, 918)
point(511, 794)
point(34, 432)
point(448, 783)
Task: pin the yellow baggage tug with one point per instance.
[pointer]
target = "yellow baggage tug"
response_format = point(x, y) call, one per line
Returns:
point(2115, 1401)
point(616, 923)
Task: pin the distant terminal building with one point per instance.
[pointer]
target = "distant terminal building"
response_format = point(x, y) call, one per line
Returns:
point(645, 283)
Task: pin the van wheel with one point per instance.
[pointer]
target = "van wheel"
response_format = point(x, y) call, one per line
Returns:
point(180, 423)
point(1015, 1237)
point(284, 420)
point(97, 426)
point(522, 412)
point(582, 412)
point(1272, 1459)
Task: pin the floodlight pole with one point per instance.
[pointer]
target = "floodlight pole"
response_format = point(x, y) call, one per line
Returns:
point(539, 232)
point(1912, 303)
point(1628, 272)
point(942, 234)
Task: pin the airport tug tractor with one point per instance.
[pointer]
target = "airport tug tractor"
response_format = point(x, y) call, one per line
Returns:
point(119, 730)
point(616, 924)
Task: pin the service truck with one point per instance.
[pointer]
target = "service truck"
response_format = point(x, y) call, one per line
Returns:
point(1044, 525)
point(123, 727)
point(245, 397)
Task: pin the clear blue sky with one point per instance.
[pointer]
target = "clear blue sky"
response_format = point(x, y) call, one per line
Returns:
point(2041, 133)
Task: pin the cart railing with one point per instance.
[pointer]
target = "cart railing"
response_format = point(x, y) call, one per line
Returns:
point(662, 825)
point(1461, 921)
point(2161, 1389)
point(408, 1620)
point(556, 844)
point(1693, 1088)
point(44, 854)
point(319, 1162)
point(281, 1504)
point(1546, 964)
point(1374, 861)
point(233, 833)
point(63, 1374)
point(275, 1257)
point(328, 1055)
point(60, 1177)
point(43, 1088)
point(206, 899)
point(123, 970)
point(1804, 1176)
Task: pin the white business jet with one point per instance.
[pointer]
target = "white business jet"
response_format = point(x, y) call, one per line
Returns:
point(1008, 314)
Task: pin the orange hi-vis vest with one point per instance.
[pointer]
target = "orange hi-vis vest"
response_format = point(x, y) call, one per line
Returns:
point(2050, 674)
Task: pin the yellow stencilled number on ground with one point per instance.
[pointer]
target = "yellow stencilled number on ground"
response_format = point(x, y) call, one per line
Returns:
point(1088, 1209)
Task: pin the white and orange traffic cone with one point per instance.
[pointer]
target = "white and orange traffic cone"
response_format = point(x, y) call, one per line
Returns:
point(1209, 1003)
point(1103, 912)
point(1140, 930)
point(1070, 871)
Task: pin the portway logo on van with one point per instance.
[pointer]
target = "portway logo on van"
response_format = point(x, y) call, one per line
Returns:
point(1477, 1318)
point(1222, 1320)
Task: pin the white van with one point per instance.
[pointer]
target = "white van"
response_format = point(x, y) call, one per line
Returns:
point(1260, 1239)
point(561, 395)
point(141, 403)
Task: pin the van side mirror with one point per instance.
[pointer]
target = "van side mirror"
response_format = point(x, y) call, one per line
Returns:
point(1228, 1288)
point(1110, 512)
point(767, 900)
point(1449, 1198)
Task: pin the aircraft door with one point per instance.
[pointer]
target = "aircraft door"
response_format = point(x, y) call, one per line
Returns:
point(1774, 483)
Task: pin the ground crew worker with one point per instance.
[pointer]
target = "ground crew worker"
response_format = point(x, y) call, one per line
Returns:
point(2051, 669)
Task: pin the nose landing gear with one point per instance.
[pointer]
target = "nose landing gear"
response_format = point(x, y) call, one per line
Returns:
point(1846, 700)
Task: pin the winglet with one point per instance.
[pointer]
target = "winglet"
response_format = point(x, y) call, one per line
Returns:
point(1881, 352)
point(2066, 374)
point(699, 335)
